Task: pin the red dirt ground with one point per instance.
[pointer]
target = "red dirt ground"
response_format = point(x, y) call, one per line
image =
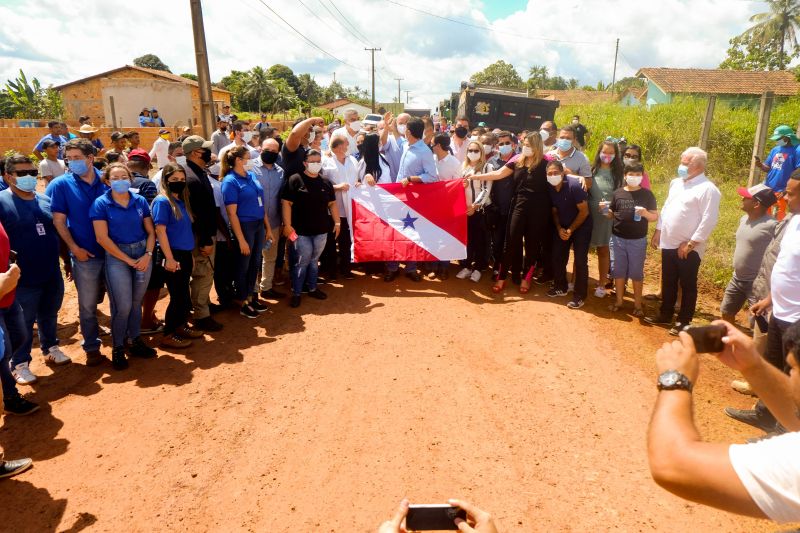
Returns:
point(322, 418)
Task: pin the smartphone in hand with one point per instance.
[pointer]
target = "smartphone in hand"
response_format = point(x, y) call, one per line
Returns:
point(708, 339)
point(433, 517)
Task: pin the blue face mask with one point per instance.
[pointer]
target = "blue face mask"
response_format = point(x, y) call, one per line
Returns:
point(120, 186)
point(782, 143)
point(26, 183)
point(505, 149)
point(78, 166)
point(564, 145)
point(683, 171)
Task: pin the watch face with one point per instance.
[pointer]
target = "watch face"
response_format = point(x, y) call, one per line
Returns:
point(669, 379)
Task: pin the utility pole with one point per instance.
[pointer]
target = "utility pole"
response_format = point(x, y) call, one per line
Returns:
point(334, 77)
point(614, 76)
point(203, 75)
point(399, 102)
point(373, 50)
point(407, 95)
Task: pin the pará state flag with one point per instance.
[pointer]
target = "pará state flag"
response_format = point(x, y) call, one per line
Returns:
point(420, 222)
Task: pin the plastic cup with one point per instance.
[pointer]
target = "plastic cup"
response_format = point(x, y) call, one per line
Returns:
point(636, 216)
point(604, 207)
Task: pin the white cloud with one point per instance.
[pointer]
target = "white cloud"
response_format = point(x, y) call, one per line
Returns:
point(65, 41)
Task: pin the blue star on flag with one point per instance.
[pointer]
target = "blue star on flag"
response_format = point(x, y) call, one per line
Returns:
point(408, 222)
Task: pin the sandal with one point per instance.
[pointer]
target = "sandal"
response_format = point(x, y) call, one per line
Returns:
point(525, 284)
point(498, 286)
point(614, 308)
point(639, 312)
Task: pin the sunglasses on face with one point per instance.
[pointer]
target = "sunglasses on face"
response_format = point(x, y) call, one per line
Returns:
point(631, 156)
point(474, 151)
point(26, 172)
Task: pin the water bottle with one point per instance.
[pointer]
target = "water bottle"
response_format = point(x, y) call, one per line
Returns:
point(636, 216)
point(267, 244)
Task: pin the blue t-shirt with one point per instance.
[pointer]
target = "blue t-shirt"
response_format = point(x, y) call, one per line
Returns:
point(73, 197)
point(60, 139)
point(29, 225)
point(247, 193)
point(144, 121)
point(782, 161)
point(566, 202)
point(179, 232)
point(125, 224)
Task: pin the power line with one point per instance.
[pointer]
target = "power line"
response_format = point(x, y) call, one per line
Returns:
point(346, 19)
point(456, 21)
point(340, 23)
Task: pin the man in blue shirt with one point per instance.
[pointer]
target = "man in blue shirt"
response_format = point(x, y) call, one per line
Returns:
point(71, 196)
point(780, 163)
point(417, 165)
point(56, 134)
point(270, 175)
point(28, 221)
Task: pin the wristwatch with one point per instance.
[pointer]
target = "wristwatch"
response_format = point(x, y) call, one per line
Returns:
point(674, 380)
point(148, 252)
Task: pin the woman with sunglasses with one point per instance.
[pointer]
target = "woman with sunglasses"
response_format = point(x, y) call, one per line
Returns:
point(633, 155)
point(477, 194)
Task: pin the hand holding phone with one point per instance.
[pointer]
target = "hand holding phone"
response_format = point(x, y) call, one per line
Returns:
point(708, 339)
point(433, 517)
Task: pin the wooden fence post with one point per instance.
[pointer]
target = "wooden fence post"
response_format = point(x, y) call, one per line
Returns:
point(113, 112)
point(764, 111)
point(712, 100)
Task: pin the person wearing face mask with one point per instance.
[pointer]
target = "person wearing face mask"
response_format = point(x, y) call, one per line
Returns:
point(308, 206)
point(71, 197)
point(241, 137)
point(124, 228)
point(687, 219)
point(501, 194)
point(575, 162)
point(342, 171)
point(160, 148)
point(139, 165)
point(573, 230)
point(293, 151)
point(175, 155)
point(459, 140)
point(219, 138)
point(631, 208)
point(27, 219)
point(352, 125)
point(477, 195)
point(271, 177)
point(607, 177)
point(548, 131)
point(581, 133)
point(529, 219)
point(205, 221)
point(244, 202)
point(632, 155)
point(780, 163)
point(392, 146)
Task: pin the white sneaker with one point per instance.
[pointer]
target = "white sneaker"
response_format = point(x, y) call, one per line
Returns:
point(56, 356)
point(600, 292)
point(570, 287)
point(464, 273)
point(476, 276)
point(23, 375)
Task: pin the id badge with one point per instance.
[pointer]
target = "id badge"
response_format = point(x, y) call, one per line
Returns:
point(260, 202)
point(40, 229)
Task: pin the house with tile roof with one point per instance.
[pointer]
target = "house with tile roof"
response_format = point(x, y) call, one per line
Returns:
point(337, 107)
point(741, 87)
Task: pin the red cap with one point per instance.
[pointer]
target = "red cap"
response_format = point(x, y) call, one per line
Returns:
point(139, 154)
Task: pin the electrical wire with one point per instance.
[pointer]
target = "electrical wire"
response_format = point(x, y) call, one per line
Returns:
point(347, 20)
point(340, 23)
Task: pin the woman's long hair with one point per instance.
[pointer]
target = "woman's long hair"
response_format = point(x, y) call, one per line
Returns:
point(229, 161)
point(617, 165)
point(478, 164)
point(372, 155)
point(536, 144)
point(168, 170)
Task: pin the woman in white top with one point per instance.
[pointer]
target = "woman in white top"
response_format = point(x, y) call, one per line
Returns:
point(340, 169)
point(477, 193)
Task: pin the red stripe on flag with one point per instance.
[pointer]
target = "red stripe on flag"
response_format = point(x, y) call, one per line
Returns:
point(443, 203)
point(375, 240)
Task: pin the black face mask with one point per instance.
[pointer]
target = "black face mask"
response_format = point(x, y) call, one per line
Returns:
point(360, 148)
point(224, 128)
point(269, 158)
point(280, 141)
point(176, 186)
point(206, 156)
point(461, 132)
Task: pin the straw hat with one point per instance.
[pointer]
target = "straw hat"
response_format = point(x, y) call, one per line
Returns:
point(87, 128)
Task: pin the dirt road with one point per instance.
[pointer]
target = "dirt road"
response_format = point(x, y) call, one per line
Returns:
point(322, 418)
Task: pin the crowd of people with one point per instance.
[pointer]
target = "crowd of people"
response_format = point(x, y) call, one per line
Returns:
point(230, 212)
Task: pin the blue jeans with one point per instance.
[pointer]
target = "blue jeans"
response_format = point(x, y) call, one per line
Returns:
point(304, 257)
point(88, 277)
point(392, 266)
point(126, 288)
point(40, 304)
point(247, 265)
point(14, 335)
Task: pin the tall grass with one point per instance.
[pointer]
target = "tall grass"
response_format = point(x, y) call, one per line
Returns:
point(664, 131)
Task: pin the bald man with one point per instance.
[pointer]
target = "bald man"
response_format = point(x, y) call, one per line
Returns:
point(396, 142)
point(270, 175)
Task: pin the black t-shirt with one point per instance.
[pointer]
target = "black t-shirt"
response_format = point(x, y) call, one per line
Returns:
point(622, 204)
point(292, 162)
point(531, 186)
point(580, 134)
point(310, 198)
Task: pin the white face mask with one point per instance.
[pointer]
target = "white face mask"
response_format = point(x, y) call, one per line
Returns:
point(355, 125)
point(544, 135)
point(472, 156)
point(527, 151)
point(247, 136)
point(474, 138)
point(487, 149)
point(401, 129)
point(555, 180)
point(311, 136)
point(628, 160)
point(181, 160)
point(633, 181)
point(314, 168)
point(248, 165)
point(214, 169)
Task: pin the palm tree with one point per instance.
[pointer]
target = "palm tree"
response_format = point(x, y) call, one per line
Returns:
point(258, 85)
point(780, 24)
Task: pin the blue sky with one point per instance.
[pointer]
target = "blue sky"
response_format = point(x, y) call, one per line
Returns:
point(431, 54)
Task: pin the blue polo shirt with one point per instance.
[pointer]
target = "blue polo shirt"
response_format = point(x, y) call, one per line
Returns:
point(73, 197)
point(179, 232)
point(60, 139)
point(247, 193)
point(125, 224)
point(29, 225)
point(781, 161)
point(566, 201)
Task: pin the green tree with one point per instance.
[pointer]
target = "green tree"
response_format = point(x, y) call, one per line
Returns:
point(778, 26)
point(309, 91)
point(24, 99)
point(258, 86)
point(282, 72)
point(236, 82)
point(283, 97)
point(151, 61)
point(334, 91)
point(189, 76)
point(745, 54)
point(537, 77)
point(572, 83)
point(499, 74)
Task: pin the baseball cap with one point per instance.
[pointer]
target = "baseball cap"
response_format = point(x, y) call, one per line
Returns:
point(163, 131)
point(784, 131)
point(154, 110)
point(139, 154)
point(761, 193)
point(195, 142)
point(117, 135)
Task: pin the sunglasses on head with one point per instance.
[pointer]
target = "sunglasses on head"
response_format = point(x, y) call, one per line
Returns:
point(32, 172)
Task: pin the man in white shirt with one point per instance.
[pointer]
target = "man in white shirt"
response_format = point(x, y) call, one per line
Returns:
point(687, 219)
point(241, 137)
point(760, 479)
point(160, 150)
point(352, 125)
point(342, 171)
point(447, 165)
point(459, 141)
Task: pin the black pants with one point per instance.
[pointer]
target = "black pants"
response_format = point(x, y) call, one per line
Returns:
point(497, 224)
point(776, 353)
point(477, 242)
point(180, 299)
point(223, 272)
point(579, 242)
point(683, 271)
point(279, 259)
point(528, 222)
point(330, 256)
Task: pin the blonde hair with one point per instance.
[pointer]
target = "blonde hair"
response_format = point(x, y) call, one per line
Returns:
point(229, 160)
point(478, 164)
point(532, 161)
point(168, 170)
